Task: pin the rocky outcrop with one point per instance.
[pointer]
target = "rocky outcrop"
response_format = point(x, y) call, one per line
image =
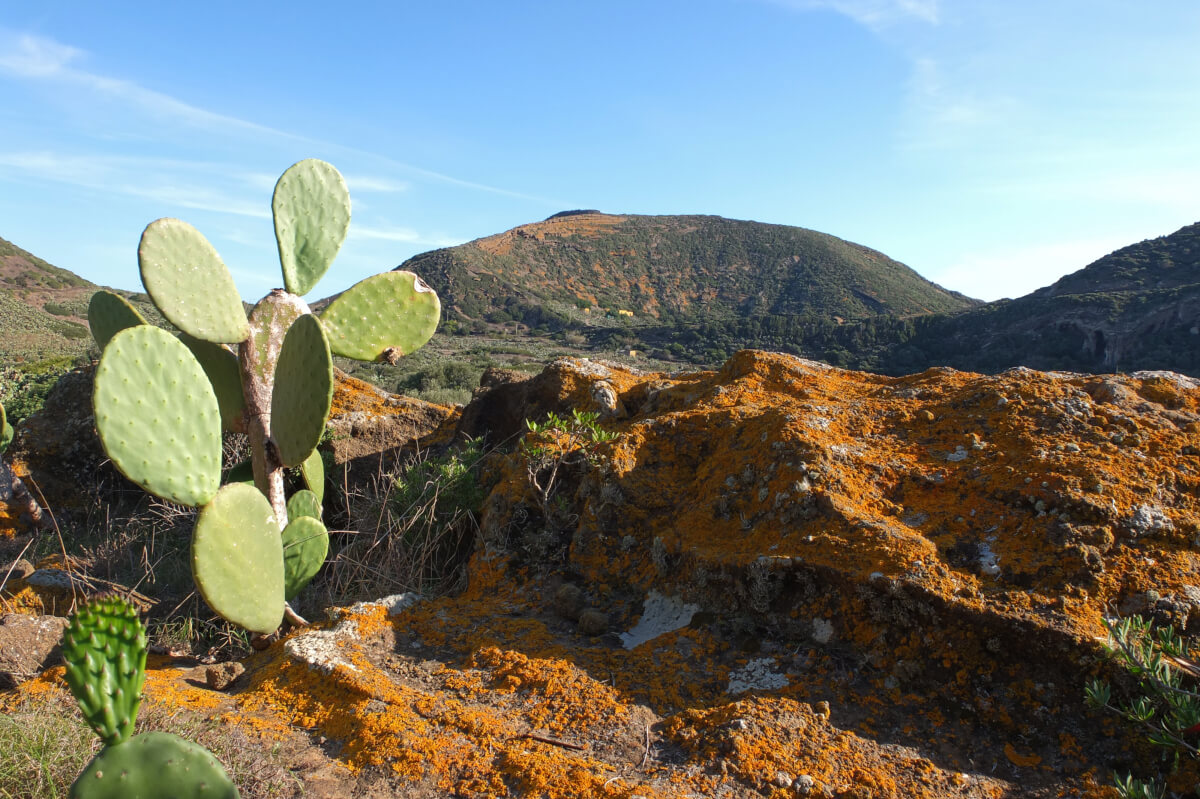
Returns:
point(778, 579)
point(366, 420)
point(59, 449)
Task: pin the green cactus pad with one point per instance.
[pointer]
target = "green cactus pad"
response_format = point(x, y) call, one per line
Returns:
point(303, 503)
point(383, 317)
point(104, 647)
point(305, 545)
point(303, 391)
point(157, 415)
point(154, 765)
point(312, 212)
point(6, 433)
point(313, 471)
point(240, 473)
point(109, 314)
point(223, 372)
point(189, 283)
point(237, 558)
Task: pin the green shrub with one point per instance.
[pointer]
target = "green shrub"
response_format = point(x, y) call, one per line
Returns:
point(58, 309)
point(440, 489)
point(24, 389)
point(416, 529)
point(1158, 658)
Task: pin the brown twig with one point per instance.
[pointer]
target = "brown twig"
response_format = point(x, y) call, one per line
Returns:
point(533, 736)
point(645, 748)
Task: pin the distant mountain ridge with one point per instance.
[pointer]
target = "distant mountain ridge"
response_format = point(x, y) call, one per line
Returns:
point(578, 265)
point(1134, 309)
point(694, 289)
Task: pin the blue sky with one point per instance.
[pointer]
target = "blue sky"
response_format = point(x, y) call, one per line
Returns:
point(991, 146)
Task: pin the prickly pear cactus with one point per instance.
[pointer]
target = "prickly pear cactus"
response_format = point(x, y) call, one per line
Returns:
point(154, 764)
point(162, 402)
point(104, 646)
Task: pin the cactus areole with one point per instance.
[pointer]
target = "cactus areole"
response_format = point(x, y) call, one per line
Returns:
point(162, 403)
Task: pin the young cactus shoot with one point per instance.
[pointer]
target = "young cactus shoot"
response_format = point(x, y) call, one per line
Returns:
point(104, 646)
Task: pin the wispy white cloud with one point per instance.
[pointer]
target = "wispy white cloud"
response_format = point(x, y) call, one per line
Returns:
point(28, 57)
point(944, 113)
point(34, 56)
point(385, 234)
point(874, 14)
point(198, 197)
point(400, 234)
point(171, 183)
point(39, 58)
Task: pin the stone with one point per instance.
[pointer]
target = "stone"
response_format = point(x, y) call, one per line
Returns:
point(28, 644)
point(365, 420)
point(220, 676)
point(807, 537)
point(593, 622)
point(569, 601)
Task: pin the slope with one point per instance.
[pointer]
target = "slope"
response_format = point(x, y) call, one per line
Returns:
point(1136, 308)
point(588, 269)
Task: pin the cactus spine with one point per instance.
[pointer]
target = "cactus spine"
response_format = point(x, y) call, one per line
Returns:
point(161, 403)
point(104, 646)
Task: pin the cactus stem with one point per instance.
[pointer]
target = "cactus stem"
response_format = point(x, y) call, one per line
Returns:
point(294, 618)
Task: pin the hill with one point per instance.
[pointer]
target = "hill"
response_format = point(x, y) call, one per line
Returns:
point(43, 326)
point(585, 269)
point(1136, 308)
point(43, 308)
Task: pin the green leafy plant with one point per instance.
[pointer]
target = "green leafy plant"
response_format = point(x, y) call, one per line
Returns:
point(161, 401)
point(551, 449)
point(415, 527)
point(439, 490)
point(104, 647)
point(1130, 787)
point(1159, 660)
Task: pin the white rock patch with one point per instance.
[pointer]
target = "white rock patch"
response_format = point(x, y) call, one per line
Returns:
point(757, 675)
point(660, 614)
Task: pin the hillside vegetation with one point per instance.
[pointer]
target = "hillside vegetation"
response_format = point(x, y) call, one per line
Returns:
point(587, 270)
point(1136, 308)
point(658, 291)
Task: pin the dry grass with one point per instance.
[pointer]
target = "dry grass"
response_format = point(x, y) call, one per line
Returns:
point(41, 752)
point(45, 745)
point(413, 530)
point(141, 550)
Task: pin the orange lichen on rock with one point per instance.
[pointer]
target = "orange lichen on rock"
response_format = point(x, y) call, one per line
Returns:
point(366, 420)
point(794, 578)
point(477, 730)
